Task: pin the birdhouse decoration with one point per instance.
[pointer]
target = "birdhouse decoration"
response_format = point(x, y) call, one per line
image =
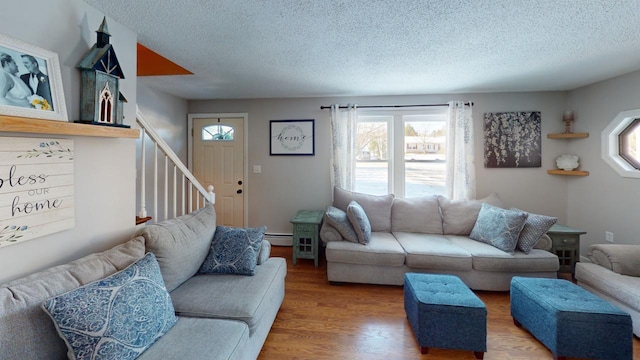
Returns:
point(101, 102)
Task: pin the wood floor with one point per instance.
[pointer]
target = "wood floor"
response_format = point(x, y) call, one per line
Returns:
point(367, 322)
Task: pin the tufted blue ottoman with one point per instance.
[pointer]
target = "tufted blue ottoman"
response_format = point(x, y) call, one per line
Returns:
point(445, 313)
point(569, 320)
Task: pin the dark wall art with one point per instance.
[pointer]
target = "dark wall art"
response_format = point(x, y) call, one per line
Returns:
point(512, 139)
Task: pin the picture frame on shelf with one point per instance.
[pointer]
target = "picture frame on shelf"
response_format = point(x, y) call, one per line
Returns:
point(30, 81)
point(292, 137)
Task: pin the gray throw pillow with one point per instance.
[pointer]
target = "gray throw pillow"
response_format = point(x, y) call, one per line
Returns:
point(233, 251)
point(498, 227)
point(339, 220)
point(535, 226)
point(360, 222)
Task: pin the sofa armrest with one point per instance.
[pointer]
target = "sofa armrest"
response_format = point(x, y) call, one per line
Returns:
point(329, 233)
point(265, 252)
point(619, 258)
point(544, 243)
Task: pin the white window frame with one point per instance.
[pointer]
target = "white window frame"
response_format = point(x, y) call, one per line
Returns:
point(395, 141)
point(611, 144)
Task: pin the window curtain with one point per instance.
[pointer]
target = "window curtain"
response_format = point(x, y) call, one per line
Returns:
point(461, 174)
point(343, 146)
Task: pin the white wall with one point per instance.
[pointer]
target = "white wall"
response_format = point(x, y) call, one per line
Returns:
point(290, 183)
point(167, 115)
point(104, 168)
point(603, 201)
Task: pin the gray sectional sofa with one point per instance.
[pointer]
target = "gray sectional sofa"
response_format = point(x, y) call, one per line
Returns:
point(427, 234)
point(218, 316)
point(614, 275)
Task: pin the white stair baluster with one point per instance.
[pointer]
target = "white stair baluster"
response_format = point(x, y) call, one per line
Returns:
point(143, 185)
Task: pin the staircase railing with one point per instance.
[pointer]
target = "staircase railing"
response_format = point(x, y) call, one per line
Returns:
point(183, 195)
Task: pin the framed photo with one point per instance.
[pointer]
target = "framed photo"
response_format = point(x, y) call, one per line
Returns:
point(292, 137)
point(30, 81)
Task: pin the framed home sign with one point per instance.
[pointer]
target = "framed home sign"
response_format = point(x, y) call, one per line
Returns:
point(36, 188)
point(30, 81)
point(292, 137)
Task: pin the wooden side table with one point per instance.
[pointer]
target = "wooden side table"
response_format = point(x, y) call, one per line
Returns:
point(566, 245)
point(306, 229)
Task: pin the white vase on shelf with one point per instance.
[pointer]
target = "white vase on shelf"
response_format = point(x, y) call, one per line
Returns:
point(567, 162)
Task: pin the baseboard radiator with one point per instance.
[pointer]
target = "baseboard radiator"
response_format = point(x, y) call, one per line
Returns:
point(279, 239)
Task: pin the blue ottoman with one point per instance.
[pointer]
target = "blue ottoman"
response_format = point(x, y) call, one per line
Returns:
point(445, 313)
point(569, 320)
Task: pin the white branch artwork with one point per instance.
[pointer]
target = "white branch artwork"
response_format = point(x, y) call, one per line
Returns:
point(512, 139)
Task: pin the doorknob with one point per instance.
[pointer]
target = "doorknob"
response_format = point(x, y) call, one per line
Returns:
point(239, 182)
point(239, 191)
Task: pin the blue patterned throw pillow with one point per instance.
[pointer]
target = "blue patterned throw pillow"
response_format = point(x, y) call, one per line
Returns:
point(498, 227)
point(339, 220)
point(233, 251)
point(360, 222)
point(534, 228)
point(117, 317)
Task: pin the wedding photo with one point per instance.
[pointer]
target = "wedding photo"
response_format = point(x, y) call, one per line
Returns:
point(24, 81)
point(30, 81)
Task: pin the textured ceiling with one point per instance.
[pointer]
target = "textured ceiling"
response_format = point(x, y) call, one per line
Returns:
point(307, 48)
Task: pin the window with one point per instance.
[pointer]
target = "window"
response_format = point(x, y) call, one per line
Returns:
point(629, 143)
point(217, 133)
point(621, 144)
point(401, 152)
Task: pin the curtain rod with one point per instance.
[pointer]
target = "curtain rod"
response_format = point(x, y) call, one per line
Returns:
point(391, 106)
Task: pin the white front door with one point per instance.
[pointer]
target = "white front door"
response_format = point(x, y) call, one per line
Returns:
point(218, 160)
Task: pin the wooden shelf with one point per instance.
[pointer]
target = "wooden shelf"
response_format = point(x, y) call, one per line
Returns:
point(568, 136)
point(37, 126)
point(566, 172)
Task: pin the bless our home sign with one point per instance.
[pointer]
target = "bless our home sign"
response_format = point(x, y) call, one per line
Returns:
point(36, 188)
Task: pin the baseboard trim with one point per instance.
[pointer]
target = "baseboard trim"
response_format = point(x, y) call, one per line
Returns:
point(279, 239)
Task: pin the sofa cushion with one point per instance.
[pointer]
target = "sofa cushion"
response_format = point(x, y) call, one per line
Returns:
point(620, 258)
point(431, 251)
point(459, 216)
point(623, 288)
point(488, 258)
point(26, 331)
point(201, 338)
point(340, 221)
point(417, 215)
point(358, 218)
point(181, 244)
point(383, 249)
point(120, 315)
point(233, 251)
point(534, 228)
point(498, 227)
point(225, 296)
point(377, 207)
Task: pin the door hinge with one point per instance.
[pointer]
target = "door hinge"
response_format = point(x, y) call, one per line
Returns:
point(192, 132)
